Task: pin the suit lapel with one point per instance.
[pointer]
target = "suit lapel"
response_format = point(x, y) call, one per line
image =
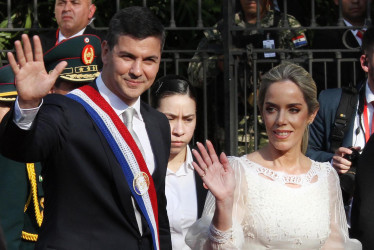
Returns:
point(201, 193)
point(155, 138)
point(351, 40)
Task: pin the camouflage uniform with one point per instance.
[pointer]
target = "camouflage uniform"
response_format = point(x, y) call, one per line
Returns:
point(213, 40)
point(250, 37)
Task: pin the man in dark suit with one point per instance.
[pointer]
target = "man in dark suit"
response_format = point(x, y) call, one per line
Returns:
point(104, 182)
point(319, 147)
point(359, 125)
point(73, 19)
point(21, 192)
point(354, 14)
point(362, 225)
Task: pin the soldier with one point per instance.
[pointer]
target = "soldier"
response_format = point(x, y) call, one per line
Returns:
point(21, 192)
point(82, 54)
point(251, 37)
point(246, 18)
point(73, 19)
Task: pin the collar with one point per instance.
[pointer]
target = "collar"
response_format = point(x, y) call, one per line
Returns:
point(368, 94)
point(115, 102)
point(186, 166)
point(348, 24)
point(189, 158)
point(62, 37)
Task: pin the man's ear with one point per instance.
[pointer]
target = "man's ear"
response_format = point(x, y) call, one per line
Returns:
point(104, 51)
point(364, 63)
point(92, 10)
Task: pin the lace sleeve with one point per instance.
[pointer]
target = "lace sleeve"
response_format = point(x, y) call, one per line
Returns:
point(338, 238)
point(203, 235)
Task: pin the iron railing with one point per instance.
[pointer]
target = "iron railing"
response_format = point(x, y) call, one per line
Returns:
point(240, 126)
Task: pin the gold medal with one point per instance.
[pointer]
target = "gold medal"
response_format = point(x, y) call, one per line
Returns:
point(141, 183)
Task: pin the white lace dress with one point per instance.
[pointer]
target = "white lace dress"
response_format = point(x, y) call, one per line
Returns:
point(269, 214)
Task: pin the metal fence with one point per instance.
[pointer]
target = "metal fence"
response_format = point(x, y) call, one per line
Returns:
point(235, 125)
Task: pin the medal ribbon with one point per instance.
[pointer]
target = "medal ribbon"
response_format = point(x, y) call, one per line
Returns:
point(125, 150)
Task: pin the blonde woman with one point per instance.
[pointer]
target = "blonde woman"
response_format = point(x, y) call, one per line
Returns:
point(276, 197)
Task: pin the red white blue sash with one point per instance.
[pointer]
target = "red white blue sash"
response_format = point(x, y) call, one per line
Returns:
point(126, 151)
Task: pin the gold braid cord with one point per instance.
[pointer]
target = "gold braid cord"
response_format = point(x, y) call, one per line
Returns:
point(29, 236)
point(27, 203)
point(34, 194)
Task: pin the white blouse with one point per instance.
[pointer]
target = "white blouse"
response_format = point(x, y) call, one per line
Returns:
point(269, 214)
point(180, 191)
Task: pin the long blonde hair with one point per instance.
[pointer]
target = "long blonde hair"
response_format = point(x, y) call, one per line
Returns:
point(299, 76)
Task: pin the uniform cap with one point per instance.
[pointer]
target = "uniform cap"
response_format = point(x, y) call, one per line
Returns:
point(82, 53)
point(7, 89)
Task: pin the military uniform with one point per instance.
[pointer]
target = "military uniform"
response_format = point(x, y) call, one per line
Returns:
point(21, 191)
point(247, 39)
point(284, 39)
point(2, 240)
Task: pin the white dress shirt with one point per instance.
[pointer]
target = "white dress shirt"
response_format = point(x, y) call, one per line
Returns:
point(62, 37)
point(180, 190)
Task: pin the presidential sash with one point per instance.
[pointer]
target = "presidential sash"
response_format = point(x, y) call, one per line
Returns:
point(126, 151)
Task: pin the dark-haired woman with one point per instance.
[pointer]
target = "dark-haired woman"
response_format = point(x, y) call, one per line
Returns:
point(174, 96)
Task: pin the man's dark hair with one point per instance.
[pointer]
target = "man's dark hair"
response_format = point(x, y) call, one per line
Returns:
point(170, 85)
point(368, 42)
point(137, 22)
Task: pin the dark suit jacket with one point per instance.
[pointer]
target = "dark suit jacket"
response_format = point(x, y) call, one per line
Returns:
point(333, 39)
point(49, 39)
point(320, 130)
point(87, 199)
point(362, 217)
point(201, 194)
